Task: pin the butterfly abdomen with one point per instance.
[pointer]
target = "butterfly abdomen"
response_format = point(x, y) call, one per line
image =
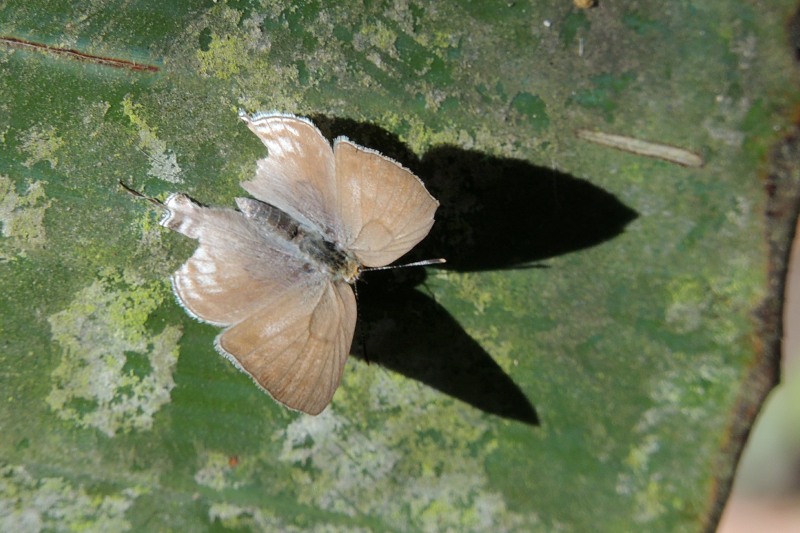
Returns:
point(312, 244)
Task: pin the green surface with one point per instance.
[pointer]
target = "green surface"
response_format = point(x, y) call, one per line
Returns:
point(577, 366)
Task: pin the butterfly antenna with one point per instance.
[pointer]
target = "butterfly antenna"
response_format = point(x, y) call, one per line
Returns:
point(137, 194)
point(438, 261)
point(369, 269)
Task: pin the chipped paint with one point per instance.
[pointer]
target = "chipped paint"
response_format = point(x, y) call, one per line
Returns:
point(28, 503)
point(22, 218)
point(101, 381)
point(163, 162)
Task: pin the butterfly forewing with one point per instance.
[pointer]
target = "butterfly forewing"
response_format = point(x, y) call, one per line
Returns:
point(236, 268)
point(298, 175)
point(296, 348)
point(384, 209)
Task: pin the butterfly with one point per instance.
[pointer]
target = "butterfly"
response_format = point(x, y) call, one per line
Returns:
point(277, 273)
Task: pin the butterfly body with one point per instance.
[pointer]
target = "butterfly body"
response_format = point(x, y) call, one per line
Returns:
point(320, 252)
point(277, 273)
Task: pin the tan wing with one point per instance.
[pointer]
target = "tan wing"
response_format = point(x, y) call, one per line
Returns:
point(298, 174)
point(235, 270)
point(296, 347)
point(384, 209)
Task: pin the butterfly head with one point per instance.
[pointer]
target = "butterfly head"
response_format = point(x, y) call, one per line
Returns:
point(350, 269)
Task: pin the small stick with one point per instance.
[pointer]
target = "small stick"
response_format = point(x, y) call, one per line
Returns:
point(668, 153)
point(75, 54)
point(137, 194)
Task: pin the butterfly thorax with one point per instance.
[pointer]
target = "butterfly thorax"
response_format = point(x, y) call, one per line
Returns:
point(318, 250)
point(328, 255)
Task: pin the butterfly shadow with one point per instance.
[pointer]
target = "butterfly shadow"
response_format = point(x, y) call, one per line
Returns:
point(495, 213)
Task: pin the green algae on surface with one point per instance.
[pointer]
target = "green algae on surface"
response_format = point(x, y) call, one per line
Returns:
point(631, 343)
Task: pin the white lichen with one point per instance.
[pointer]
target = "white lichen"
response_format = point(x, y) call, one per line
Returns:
point(101, 331)
point(30, 505)
point(22, 218)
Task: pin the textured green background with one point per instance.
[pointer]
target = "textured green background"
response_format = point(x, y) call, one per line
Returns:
point(607, 297)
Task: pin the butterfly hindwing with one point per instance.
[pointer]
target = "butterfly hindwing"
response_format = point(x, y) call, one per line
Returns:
point(296, 348)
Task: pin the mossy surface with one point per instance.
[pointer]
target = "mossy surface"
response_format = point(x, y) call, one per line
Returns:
point(607, 296)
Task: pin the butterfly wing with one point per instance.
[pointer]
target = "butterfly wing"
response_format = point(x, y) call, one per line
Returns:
point(237, 267)
point(298, 174)
point(367, 203)
point(296, 347)
point(384, 210)
point(290, 327)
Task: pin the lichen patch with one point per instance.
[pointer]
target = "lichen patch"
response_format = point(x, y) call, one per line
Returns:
point(41, 144)
point(22, 218)
point(163, 162)
point(424, 452)
point(114, 375)
point(54, 504)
